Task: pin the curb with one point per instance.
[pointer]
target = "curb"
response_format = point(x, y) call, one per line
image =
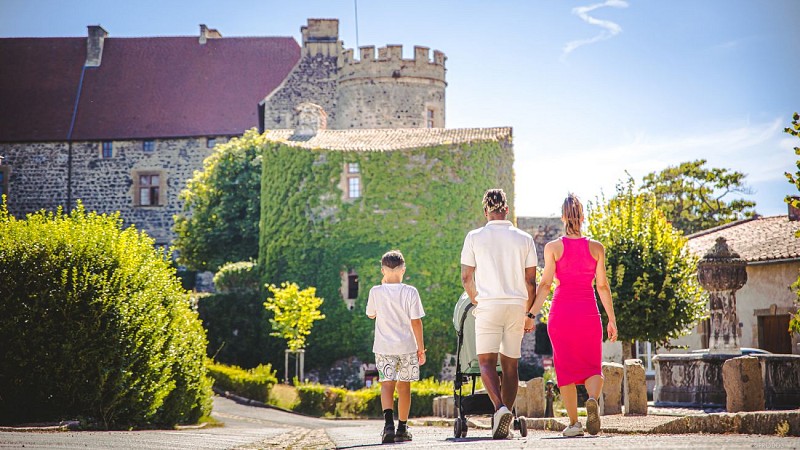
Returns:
point(67, 425)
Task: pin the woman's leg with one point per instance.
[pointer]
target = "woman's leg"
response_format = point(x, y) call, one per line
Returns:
point(594, 386)
point(569, 394)
point(403, 400)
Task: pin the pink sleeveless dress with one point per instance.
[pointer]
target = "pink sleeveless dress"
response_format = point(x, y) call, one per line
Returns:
point(574, 324)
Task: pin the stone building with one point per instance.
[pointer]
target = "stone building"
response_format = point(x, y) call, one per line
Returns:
point(122, 123)
point(765, 303)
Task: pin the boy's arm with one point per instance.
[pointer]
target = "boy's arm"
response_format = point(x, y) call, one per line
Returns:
point(416, 326)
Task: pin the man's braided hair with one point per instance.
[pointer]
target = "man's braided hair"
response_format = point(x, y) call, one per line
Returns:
point(494, 200)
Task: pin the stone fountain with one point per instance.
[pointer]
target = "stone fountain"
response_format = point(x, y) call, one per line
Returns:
point(695, 380)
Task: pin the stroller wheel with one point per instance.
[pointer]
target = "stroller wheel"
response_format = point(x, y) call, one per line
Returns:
point(457, 428)
point(523, 426)
point(464, 428)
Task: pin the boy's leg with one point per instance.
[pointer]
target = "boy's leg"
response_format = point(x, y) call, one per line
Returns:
point(387, 394)
point(403, 400)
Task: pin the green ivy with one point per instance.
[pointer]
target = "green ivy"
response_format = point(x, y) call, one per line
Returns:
point(422, 201)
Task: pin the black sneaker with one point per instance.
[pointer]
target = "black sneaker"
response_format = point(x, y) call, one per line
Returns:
point(402, 435)
point(387, 436)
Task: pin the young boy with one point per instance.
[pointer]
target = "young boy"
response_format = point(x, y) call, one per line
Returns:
point(399, 349)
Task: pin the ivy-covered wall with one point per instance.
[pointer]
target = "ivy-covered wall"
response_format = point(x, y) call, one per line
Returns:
point(421, 201)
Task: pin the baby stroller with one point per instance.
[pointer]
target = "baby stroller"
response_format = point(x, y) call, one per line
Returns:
point(467, 368)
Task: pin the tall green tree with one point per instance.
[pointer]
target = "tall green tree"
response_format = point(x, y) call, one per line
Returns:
point(794, 130)
point(650, 269)
point(219, 222)
point(694, 198)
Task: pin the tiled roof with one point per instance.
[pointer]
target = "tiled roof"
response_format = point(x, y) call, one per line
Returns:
point(156, 87)
point(388, 139)
point(760, 239)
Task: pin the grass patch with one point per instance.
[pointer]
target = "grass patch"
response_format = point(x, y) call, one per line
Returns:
point(284, 396)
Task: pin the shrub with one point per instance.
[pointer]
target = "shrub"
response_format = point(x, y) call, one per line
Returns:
point(253, 383)
point(94, 324)
point(317, 399)
point(237, 277)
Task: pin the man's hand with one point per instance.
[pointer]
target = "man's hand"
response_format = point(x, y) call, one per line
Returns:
point(528, 325)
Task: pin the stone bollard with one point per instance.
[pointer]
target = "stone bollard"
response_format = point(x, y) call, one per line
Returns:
point(449, 406)
point(530, 398)
point(744, 386)
point(549, 395)
point(611, 400)
point(437, 410)
point(635, 389)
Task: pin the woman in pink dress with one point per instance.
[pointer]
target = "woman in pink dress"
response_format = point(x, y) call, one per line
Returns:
point(574, 324)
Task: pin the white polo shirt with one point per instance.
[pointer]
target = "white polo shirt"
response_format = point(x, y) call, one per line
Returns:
point(394, 305)
point(500, 252)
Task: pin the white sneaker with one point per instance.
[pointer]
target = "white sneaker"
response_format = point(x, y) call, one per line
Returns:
point(502, 419)
point(592, 417)
point(573, 430)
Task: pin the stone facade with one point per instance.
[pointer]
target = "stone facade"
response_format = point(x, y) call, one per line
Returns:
point(40, 171)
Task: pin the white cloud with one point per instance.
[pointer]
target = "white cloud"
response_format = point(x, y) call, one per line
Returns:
point(546, 172)
point(610, 29)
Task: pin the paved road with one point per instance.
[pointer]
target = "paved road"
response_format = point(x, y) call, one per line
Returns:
point(249, 427)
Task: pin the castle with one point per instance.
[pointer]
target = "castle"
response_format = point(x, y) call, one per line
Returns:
point(122, 123)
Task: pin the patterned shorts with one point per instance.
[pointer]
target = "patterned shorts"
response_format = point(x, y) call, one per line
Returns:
point(397, 367)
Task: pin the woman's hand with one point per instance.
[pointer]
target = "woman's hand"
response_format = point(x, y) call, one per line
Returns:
point(528, 325)
point(611, 329)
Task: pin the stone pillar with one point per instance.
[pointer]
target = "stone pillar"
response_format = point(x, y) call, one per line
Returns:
point(611, 399)
point(635, 388)
point(530, 398)
point(722, 272)
point(744, 386)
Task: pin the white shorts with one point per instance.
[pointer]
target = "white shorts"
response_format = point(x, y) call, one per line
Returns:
point(397, 367)
point(499, 329)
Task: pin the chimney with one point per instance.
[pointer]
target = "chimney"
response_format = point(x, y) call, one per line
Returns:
point(94, 45)
point(208, 33)
point(311, 118)
point(794, 212)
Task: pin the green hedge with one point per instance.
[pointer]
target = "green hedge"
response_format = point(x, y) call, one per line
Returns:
point(94, 325)
point(253, 383)
point(237, 277)
point(328, 401)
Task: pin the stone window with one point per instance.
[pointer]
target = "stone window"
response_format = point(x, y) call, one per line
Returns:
point(211, 142)
point(429, 114)
point(149, 146)
point(350, 288)
point(108, 150)
point(149, 188)
point(353, 176)
point(4, 173)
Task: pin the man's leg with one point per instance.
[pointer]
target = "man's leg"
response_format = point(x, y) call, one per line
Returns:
point(489, 377)
point(510, 384)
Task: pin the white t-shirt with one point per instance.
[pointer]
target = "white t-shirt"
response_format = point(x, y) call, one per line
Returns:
point(500, 253)
point(394, 305)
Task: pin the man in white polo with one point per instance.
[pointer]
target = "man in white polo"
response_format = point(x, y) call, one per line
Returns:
point(498, 271)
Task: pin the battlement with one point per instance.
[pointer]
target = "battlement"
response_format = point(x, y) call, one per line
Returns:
point(390, 64)
point(321, 36)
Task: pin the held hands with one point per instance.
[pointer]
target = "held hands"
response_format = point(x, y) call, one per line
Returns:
point(421, 356)
point(611, 329)
point(529, 325)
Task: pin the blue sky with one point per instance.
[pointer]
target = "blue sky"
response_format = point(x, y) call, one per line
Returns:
point(592, 88)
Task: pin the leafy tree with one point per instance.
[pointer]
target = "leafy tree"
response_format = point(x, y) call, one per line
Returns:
point(650, 268)
point(294, 313)
point(219, 222)
point(692, 197)
point(794, 130)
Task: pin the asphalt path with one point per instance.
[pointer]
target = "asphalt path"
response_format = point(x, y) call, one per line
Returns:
point(251, 427)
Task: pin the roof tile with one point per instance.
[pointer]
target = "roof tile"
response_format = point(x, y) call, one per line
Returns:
point(759, 239)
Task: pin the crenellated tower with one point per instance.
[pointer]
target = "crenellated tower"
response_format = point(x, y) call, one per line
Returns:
point(373, 91)
point(388, 91)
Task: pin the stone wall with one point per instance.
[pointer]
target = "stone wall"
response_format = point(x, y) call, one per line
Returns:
point(38, 178)
point(543, 230)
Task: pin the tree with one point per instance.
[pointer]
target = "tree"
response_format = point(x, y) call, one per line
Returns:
point(692, 196)
point(294, 313)
point(650, 268)
point(794, 130)
point(219, 222)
